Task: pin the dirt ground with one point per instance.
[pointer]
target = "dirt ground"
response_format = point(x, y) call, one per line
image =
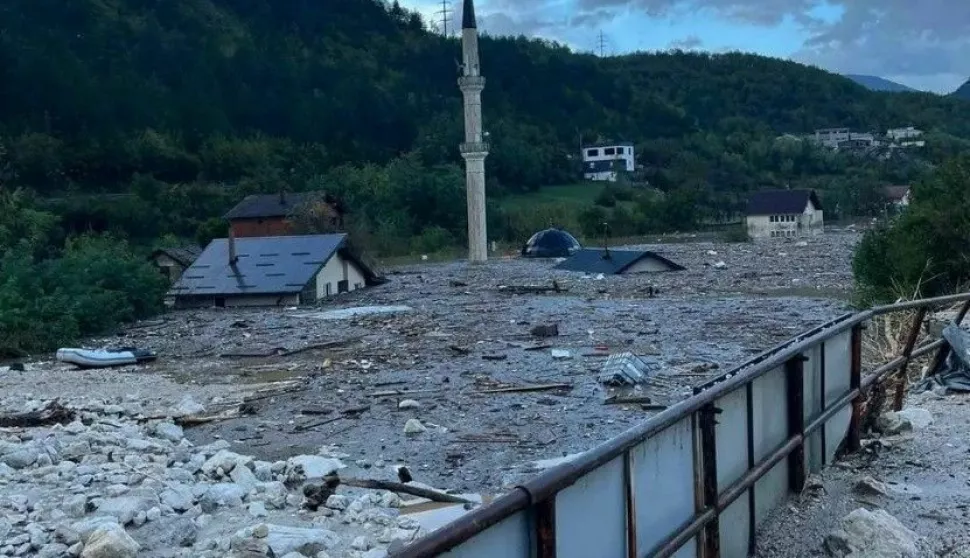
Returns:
point(927, 478)
point(461, 336)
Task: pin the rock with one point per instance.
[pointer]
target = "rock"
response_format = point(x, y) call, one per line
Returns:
point(545, 330)
point(873, 534)
point(375, 553)
point(125, 508)
point(414, 426)
point(5, 528)
point(169, 431)
point(55, 550)
point(20, 458)
point(153, 514)
point(891, 424)
point(187, 406)
point(313, 466)
point(390, 500)
point(294, 555)
point(176, 532)
point(263, 471)
point(337, 502)
point(408, 404)
point(283, 540)
point(76, 450)
point(225, 461)
point(261, 531)
point(258, 509)
point(222, 494)
point(178, 497)
point(244, 478)
point(561, 354)
point(918, 418)
point(110, 541)
point(86, 527)
point(360, 543)
point(869, 486)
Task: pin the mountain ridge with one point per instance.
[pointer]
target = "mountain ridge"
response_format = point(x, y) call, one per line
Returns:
point(876, 83)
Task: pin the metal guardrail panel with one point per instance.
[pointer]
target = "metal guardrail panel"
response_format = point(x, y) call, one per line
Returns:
point(838, 360)
point(735, 529)
point(509, 538)
point(732, 437)
point(662, 474)
point(770, 432)
point(812, 384)
point(591, 515)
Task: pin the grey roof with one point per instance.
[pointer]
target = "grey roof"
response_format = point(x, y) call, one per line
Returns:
point(596, 261)
point(772, 202)
point(468, 15)
point(184, 255)
point(609, 144)
point(260, 206)
point(266, 265)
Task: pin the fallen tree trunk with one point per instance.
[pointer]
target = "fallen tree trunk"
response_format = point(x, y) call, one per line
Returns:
point(401, 488)
point(52, 413)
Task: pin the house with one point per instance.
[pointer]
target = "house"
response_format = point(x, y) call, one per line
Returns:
point(897, 196)
point(617, 262)
point(784, 213)
point(602, 162)
point(172, 262)
point(900, 134)
point(830, 137)
point(272, 271)
point(272, 214)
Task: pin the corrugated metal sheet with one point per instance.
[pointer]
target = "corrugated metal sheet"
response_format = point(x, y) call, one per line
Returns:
point(266, 265)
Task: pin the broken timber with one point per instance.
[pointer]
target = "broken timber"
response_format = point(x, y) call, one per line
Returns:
point(532, 289)
point(524, 389)
point(52, 413)
point(400, 488)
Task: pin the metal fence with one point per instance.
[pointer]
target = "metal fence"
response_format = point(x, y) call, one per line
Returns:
point(698, 479)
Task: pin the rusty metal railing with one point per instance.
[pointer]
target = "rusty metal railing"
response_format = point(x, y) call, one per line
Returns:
point(656, 490)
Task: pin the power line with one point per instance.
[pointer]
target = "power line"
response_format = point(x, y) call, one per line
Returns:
point(601, 44)
point(445, 13)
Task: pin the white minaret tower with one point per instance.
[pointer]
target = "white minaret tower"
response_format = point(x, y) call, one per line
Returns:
point(474, 149)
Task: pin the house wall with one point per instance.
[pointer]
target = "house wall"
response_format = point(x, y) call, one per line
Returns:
point(601, 176)
point(239, 301)
point(170, 268)
point(276, 226)
point(811, 222)
point(601, 154)
point(336, 270)
point(647, 265)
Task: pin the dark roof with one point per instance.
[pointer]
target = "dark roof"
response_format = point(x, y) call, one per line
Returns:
point(259, 206)
point(896, 193)
point(609, 144)
point(468, 15)
point(266, 265)
point(551, 243)
point(184, 255)
point(771, 202)
point(594, 261)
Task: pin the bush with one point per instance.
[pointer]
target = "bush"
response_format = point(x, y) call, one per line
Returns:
point(432, 240)
point(606, 197)
point(736, 234)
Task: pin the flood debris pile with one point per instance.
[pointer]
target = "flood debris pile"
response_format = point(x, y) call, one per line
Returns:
point(102, 483)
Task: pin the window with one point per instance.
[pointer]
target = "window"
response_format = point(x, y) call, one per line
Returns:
point(329, 290)
point(609, 151)
point(592, 152)
point(343, 286)
point(619, 151)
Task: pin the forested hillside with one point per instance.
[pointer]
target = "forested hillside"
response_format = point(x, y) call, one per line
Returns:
point(963, 92)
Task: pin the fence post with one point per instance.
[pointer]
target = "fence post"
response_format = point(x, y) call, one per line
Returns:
point(907, 351)
point(546, 528)
point(712, 531)
point(795, 395)
point(854, 441)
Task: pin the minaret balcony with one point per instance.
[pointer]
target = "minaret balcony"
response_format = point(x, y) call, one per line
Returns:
point(473, 147)
point(471, 82)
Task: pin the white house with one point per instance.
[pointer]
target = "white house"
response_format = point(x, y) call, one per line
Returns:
point(602, 161)
point(830, 137)
point(907, 133)
point(784, 214)
point(271, 271)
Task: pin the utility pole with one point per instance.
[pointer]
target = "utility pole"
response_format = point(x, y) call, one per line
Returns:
point(445, 13)
point(601, 44)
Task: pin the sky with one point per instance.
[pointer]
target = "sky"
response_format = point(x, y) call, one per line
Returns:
point(924, 44)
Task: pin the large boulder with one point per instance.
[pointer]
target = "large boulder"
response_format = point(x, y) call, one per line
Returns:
point(283, 540)
point(918, 418)
point(125, 508)
point(224, 461)
point(872, 534)
point(110, 541)
point(312, 466)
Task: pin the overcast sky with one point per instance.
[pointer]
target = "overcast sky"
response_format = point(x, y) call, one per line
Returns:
point(921, 43)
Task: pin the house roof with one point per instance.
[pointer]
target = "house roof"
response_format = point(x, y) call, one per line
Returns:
point(259, 206)
point(184, 255)
point(609, 144)
point(896, 193)
point(772, 202)
point(594, 261)
point(265, 265)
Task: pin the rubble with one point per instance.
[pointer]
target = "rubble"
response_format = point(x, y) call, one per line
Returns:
point(115, 487)
point(865, 533)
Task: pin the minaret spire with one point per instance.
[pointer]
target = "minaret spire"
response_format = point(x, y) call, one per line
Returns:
point(474, 149)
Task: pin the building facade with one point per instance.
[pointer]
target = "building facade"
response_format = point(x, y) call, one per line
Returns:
point(603, 162)
point(784, 214)
point(273, 214)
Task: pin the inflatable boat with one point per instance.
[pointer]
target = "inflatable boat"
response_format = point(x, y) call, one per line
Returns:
point(86, 358)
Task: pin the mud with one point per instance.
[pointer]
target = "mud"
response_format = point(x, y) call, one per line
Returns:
point(461, 337)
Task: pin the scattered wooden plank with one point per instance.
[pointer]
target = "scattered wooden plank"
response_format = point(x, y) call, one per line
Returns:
point(402, 488)
point(398, 392)
point(346, 413)
point(525, 389)
point(623, 400)
point(495, 357)
point(52, 413)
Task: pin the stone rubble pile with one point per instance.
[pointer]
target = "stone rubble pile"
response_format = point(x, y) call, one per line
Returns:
point(110, 486)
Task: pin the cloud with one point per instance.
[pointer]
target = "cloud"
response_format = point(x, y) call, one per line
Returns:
point(688, 43)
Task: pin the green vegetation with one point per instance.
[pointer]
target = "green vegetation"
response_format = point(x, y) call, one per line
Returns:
point(923, 251)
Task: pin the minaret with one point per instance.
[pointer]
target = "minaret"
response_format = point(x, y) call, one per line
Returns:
point(474, 149)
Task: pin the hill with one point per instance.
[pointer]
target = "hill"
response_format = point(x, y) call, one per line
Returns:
point(876, 83)
point(192, 103)
point(963, 92)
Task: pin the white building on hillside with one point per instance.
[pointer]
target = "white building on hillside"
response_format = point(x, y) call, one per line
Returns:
point(899, 134)
point(602, 161)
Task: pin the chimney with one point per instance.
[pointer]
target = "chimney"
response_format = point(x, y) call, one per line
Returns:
point(233, 258)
